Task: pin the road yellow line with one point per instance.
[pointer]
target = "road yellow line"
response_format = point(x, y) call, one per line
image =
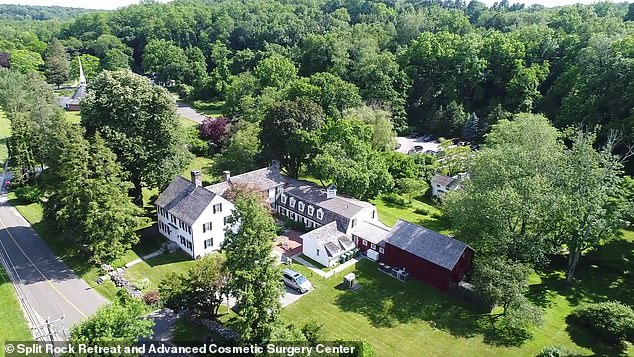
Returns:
point(39, 271)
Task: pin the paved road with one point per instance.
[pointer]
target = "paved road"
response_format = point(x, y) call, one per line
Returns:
point(188, 112)
point(48, 287)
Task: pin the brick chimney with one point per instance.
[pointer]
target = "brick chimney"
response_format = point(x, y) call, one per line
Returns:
point(197, 178)
point(227, 175)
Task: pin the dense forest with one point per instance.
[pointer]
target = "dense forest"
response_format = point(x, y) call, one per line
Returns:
point(450, 68)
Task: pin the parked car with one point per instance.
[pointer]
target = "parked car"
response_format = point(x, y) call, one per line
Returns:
point(296, 281)
point(426, 137)
point(416, 149)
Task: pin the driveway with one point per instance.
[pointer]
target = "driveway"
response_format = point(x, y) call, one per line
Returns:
point(290, 296)
point(408, 143)
point(188, 112)
point(46, 287)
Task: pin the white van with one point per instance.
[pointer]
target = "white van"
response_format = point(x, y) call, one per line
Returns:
point(296, 281)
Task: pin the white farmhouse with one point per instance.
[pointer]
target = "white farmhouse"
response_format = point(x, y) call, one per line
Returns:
point(192, 216)
point(441, 184)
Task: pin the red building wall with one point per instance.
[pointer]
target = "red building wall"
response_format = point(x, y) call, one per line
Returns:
point(424, 270)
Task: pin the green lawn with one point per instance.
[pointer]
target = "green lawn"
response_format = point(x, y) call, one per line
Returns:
point(410, 319)
point(65, 249)
point(187, 123)
point(5, 132)
point(73, 117)
point(13, 324)
point(389, 213)
point(157, 268)
point(204, 165)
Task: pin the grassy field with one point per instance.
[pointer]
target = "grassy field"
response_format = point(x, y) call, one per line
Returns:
point(5, 132)
point(203, 164)
point(73, 117)
point(389, 213)
point(412, 319)
point(13, 324)
point(187, 123)
point(157, 268)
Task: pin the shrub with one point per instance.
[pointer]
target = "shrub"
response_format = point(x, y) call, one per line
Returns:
point(152, 297)
point(203, 105)
point(436, 215)
point(215, 131)
point(142, 284)
point(395, 199)
point(555, 351)
point(612, 321)
point(422, 210)
point(30, 194)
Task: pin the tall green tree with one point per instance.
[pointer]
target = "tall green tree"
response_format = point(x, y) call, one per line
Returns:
point(285, 133)
point(242, 152)
point(255, 278)
point(138, 122)
point(511, 205)
point(592, 180)
point(56, 63)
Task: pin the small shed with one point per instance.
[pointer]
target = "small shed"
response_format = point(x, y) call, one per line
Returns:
point(431, 257)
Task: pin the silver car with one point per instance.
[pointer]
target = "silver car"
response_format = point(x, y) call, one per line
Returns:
point(296, 281)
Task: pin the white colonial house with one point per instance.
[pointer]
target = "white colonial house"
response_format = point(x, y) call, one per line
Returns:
point(192, 216)
point(195, 217)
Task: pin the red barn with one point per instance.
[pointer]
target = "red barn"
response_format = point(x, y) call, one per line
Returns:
point(428, 256)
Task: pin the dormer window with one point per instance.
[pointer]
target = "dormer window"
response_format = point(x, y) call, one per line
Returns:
point(283, 198)
point(311, 210)
point(320, 213)
point(300, 206)
point(292, 202)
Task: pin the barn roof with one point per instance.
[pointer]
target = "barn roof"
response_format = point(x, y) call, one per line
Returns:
point(432, 246)
point(185, 200)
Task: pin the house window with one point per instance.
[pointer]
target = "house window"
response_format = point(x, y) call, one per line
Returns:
point(189, 245)
point(206, 227)
point(189, 229)
point(283, 198)
point(182, 240)
point(317, 251)
point(381, 250)
point(227, 220)
point(354, 223)
point(320, 213)
point(209, 243)
point(365, 243)
point(373, 246)
point(373, 214)
point(292, 202)
point(217, 208)
point(311, 210)
point(300, 206)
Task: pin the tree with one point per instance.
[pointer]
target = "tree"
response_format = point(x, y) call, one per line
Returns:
point(242, 152)
point(26, 61)
point(511, 205)
point(56, 64)
point(383, 136)
point(472, 127)
point(89, 198)
point(214, 131)
point(285, 128)
point(123, 322)
point(275, 71)
point(412, 187)
point(591, 179)
point(200, 290)
point(115, 59)
point(505, 283)
point(255, 278)
point(146, 139)
point(167, 60)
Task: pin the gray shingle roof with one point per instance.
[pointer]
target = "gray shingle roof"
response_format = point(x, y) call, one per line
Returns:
point(442, 180)
point(184, 200)
point(262, 179)
point(343, 206)
point(328, 236)
point(370, 231)
point(432, 246)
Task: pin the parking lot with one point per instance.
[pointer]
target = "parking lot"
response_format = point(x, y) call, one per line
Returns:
point(408, 144)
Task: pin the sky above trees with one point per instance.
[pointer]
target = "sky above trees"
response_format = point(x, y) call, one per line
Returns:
point(113, 4)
